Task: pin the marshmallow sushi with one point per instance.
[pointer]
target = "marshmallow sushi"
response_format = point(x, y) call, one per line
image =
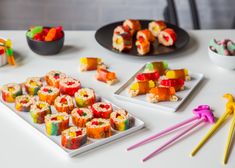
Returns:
point(10, 92)
point(159, 67)
point(167, 37)
point(122, 42)
point(69, 86)
point(53, 78)
point(56, 123)
point(159, 94)
point(85, 97)
point(132, 25)
point(80, 116)
point(32, 85)
point(39, 110)
point(98, 128)
point(102, 110)
point(146, 35)
point(48, 94)
point(106, 76)
point(120, 29)
point(156, 27)
point(120, 120)
point(64, 103)
point(90, 63)
point(23, 102)
point(73, 137)
point(143, 46)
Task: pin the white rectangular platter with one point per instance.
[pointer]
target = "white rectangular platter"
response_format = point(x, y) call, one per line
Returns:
point(122, 93)
point(56, 140)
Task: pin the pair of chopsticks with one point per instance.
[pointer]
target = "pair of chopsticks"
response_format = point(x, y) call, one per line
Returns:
point(203, 114)
point(230, 110)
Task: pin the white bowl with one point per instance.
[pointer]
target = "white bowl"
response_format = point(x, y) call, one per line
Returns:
point(227, 62)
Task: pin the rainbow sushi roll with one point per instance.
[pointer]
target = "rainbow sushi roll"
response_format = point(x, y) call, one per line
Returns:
point(10, 91)
point(39, 110)
point(48, 94)
point(85, 97)
point(154, 76)
point(132, 26)
point(146, 35)
point(143, 46)
point(56, 123)
point(120, 120)
point(102, 110)
point(32, 85)
point(23, 102)
point(73, 137)
point(53, 78)
point(106, 76)
point(69, 86)
point(90, 63)
point(80, 116)
point(140, 88)
point(122, 42)
point(120, 29)
point(159, 67)
point(156, 27)
point(159, 94)
point(64, 103)
point(178, 74)
point(98, 128)
point(167, 37)
point(177, 84)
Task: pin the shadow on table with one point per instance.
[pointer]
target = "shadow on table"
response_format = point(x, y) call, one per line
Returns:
point(191, 96)
point(68, 49)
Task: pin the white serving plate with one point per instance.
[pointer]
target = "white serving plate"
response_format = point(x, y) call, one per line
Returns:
point(56, 140)
point(122, 93)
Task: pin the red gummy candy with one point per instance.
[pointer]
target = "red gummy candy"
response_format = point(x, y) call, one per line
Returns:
point(2, 51)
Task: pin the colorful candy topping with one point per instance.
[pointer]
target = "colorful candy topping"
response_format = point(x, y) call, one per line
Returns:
point(223, 47)
point(139, 88)
point(178, 74)
point(90, 63)
point(106, 76)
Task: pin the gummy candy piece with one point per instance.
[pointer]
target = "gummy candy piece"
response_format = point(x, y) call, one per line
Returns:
point(33, 31)
point(51, 34)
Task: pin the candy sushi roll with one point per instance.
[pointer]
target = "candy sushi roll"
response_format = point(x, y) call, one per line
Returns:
point(69, 86)
point(39, 110)
point(159, 94)
point(140, 88)
point(178, 74)
point(98, 128)
point(102, 110)
point(120, 29)
point(90, 63)
point(85, 97)
point(122, 42)
point(167, 37)
point(53, 78)
point(80, 116)
point(73, 137)
point(48, 94)
point(106, 76)
point(132, 25)
point(23, 103)
point(10, 92)
point(156, 27)
point(178, 84)
point(154, 76)
point(120, 120)
point(64, 103)
point(146, 35)
point(56, 123)
point(159, 67)
point(32, 85)
point(143, 46)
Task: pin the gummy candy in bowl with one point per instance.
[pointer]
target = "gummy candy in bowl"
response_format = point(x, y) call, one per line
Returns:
point(45, 40)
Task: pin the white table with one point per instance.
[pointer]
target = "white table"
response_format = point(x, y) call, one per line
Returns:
point(21, 146)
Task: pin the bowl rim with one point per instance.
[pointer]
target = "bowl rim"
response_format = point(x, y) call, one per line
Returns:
point(44, 41)
point(220, 55)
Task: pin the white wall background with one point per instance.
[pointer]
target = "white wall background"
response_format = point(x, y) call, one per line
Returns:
point(91, 14)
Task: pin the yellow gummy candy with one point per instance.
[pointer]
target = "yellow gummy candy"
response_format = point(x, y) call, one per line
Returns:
point(135, 86)
point(11, 89)
point(60, 117)
point(41, 105)
point(119, 41)
point(120, 117)
point(72, 134)
point(8, 43)
point(83, 60)
point(33, 83)
point(186, 72)
point(151, 84)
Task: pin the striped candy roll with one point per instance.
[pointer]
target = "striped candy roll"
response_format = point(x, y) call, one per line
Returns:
point(122, 42)
point(106, 76)
point(69, 86)
point(132, 26)
point(48, 94)
point(85, 97)
point(98, 128)
point(56, 123)
point(73, 137)
point(23, 102)
point(91, 63)
point(102, 110)
point(167, 37)
point(53, 78)
point(156, 27)
point(143, 46)
point(32, 85)
point(39, 110)
point(120, 120)
point(64, 103)
point(146, 35)
point(80, 116)
point(10, 92)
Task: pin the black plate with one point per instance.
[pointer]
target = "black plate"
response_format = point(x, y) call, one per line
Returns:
point(104, 37)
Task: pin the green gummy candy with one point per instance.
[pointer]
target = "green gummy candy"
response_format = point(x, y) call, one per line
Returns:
point(9, 51)
point(165, 65)
point(34, 31)
point(30, 34)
